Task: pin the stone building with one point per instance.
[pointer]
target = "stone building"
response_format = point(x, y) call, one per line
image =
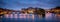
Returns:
point(34, 10)
point(55, 10)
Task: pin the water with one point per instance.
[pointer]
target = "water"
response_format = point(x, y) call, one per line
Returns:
point(49, 17)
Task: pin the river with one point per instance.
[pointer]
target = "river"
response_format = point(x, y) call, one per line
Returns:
point(49, 17)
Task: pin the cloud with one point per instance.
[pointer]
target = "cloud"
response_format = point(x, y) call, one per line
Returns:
point(33, 3)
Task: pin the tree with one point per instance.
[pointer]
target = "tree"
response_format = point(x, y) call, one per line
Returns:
point(40, 11)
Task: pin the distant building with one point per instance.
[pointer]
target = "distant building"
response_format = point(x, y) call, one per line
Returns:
point(34, 10)
point(28, 10)
point(6, 11)
point(55, 10)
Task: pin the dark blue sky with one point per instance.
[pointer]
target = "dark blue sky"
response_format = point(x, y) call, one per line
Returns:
point(18, 4)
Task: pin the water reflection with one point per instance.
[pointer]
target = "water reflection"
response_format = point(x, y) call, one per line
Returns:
point(32, 17)
point(19, 16)
point(49, 16)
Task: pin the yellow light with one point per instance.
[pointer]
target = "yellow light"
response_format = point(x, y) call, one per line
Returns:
point(30, 11)
point(1, 13)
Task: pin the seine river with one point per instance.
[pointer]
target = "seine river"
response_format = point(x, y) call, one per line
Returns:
point(49, 17)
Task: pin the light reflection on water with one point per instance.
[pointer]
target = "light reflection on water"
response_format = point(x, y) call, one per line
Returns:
point(31, 17)
point(19, 16)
